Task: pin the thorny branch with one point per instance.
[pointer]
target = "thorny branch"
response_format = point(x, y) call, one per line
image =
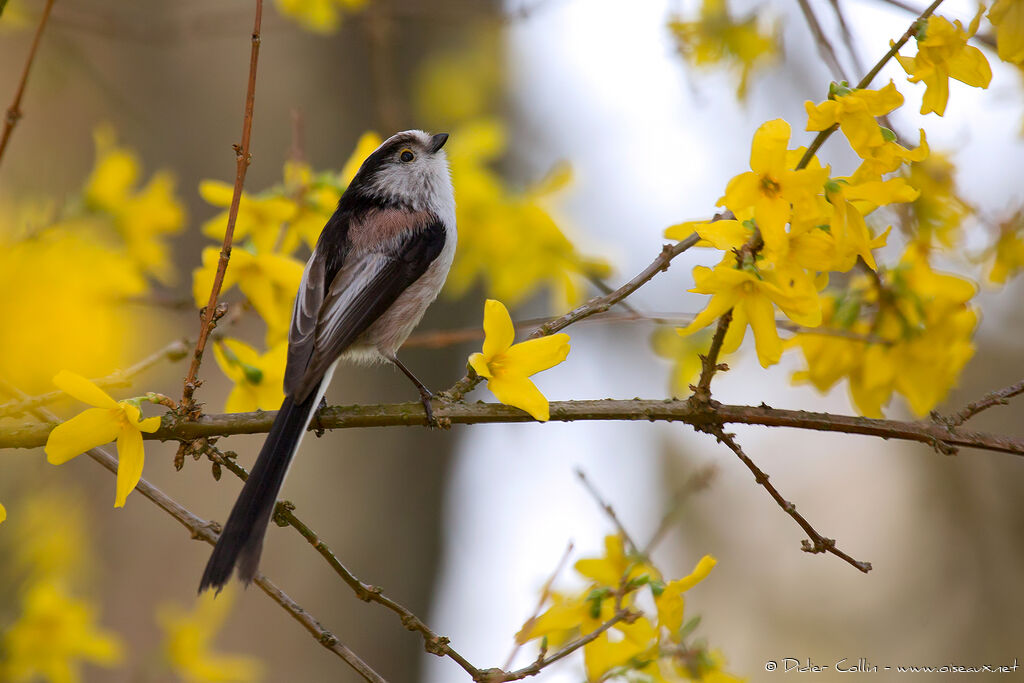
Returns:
point(14, 111)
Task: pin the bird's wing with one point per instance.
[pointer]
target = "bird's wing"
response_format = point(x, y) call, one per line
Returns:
point(365, 286)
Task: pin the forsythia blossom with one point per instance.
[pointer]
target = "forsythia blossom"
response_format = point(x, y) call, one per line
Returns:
point(188, 639)
point(109, 419)
point(318, 16)
point(943, 53)
point(508, 366)
point(1008, 18)
point(653, 647)
point(717, 38)
point(258, 378)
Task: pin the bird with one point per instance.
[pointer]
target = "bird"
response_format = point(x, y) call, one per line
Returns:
point(380, 261)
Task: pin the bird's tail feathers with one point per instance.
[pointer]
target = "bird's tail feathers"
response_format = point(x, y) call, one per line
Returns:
point(241, 541)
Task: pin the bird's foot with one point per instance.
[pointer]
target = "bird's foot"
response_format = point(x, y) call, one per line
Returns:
point(426, 396)
point(318, 424)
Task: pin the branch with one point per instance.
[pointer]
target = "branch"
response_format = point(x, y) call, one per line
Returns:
point(598, 304)
point(996, 398)
point(820, 138)
point(709, 363)
point(828, 52)
point(14, 111)
point(818, 543)
point(608, 510)
point(176, 350)
point(242, 159)
point(938, 436)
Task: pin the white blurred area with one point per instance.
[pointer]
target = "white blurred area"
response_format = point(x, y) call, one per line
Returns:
point(598, 83)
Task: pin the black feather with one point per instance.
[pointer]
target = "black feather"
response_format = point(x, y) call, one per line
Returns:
point(241, 541)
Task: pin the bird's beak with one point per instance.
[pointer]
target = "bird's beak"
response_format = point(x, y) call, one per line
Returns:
point(437, 142)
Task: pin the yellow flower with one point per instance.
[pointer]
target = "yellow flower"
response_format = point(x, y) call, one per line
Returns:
point(259, 218)
point(750, 295)
point(716, 37)
point(142, 217)
point(269, 281)
point(855, 112)
point(108, 420)
point(1008, 250)
point(510, 239)
point(601, 655)
point(259, 379)
point(772, 188)
point(850, 232)
point(3, 512)
point(939, 210)
point(188, 639)
point(318, 16)
point(943, 53)
point(670, 602)
point(616, 567)
point(53, 636)
point(507, 367)
point(365, 145)
point(684, 354)
point(1008, 18)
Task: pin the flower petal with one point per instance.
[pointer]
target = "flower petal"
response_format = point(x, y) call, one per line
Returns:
point(91, 428)
point(768, 152)
point(130, 459)
point(84, 390)
point(520, 393)
point(761, 315)
point(535, 355)
point(499, 333)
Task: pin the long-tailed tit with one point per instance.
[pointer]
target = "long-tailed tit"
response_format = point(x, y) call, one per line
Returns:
point(380, 261)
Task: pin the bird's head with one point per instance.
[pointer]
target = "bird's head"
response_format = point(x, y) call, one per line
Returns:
point(409, 168)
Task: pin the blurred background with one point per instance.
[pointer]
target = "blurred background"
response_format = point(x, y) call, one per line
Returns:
point(581, 129)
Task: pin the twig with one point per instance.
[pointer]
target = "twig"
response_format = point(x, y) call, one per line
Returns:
point(174, 351)
point(698, 481)
point(545, 591)
point(284, 514)
point(535, 668)
point(821, 137)
point(607, 509)
point(847, 34)
point(204, 530)
point(436, 339)
point(242, 159)
point(996, 398)
point(709, 363)
point(14, 111)
point(937, 436)
point(828, 52)
point(818, 543)
point(598, 304)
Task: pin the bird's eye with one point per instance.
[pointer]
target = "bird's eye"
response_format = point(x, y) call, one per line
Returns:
point(407, 155)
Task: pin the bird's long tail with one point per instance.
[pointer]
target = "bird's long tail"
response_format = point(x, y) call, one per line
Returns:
point(241, 541)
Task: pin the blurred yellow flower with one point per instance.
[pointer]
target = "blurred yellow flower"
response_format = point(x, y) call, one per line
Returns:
point(108, 420)
point(258, 378)
point(269, 281)
point(318, 16)
point(943, 53)
point(684, 352)
point(188, 642)
point(142, 217)
point(717, 38)
point(1008, 18)
point(50, 536)
point(1008, 250)
point(3, 512)
point(259, 219)
point(634, 640)
point(54, 634)
point(938, 211)
point(508, 367)
point(509, 239)
point(616, 566)
point(670, 602)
